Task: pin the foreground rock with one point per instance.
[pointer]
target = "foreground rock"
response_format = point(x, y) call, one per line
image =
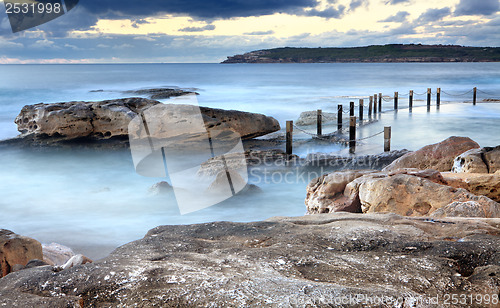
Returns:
point(484, 160)
point(108, 119)
point(439, 156)
point(409, 192)
point(477, 183)
point(317, 260)
point(16, 251)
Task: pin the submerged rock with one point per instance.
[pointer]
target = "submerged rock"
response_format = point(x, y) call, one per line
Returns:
point(315, 260)
point(437, 156)
point(311, 117)
point(162, 93)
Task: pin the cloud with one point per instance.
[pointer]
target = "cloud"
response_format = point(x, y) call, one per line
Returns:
point(477, 7)
point(203, 9)
point(397, 1)
point(432, 15)
point(260, 33)
point(331, 12)
point(399, 17)
point(198, 29)
point(357, 3)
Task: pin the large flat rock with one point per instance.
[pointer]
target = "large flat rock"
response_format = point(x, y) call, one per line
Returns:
point(316, 260)
point(104, 120)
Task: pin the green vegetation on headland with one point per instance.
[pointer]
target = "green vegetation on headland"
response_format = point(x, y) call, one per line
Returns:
point(376, 53)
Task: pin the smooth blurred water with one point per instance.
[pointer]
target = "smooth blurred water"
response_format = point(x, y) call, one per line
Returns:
point(93, 200)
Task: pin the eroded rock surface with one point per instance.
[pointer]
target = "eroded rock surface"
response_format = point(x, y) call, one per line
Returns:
point(484, 160)
point(312, 260)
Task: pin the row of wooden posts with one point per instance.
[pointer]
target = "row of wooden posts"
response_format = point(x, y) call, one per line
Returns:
point(374, 107)
point(352, 134)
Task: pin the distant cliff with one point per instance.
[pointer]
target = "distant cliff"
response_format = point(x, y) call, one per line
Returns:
point(369, 54)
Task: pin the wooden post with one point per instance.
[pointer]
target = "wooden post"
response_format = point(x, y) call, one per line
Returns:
point(351, 109)
point(375, 107)
point(387, 139)
point(370, 107)
point(361, 110)
point(429, 93)
point(289, 138)
point(474, 96)
point(375, 97)
point(319, 122)
point(339, 118)
point(411, 100)
point(380, 102)
point(396, 94)
point(438, 97)
point(352, 135)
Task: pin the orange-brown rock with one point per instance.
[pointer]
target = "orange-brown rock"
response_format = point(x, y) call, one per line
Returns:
point(17, 250)
point(439, 156)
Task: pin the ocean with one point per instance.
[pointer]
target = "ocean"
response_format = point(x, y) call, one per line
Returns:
point(93, 201)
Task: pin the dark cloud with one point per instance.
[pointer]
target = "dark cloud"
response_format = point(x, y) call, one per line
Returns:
point(399, 17)
point(434, 14)
point(397, 1)
point(331, 12)
point(477, 7)
point(198, 29)
point(202, 9)
point(260, 33)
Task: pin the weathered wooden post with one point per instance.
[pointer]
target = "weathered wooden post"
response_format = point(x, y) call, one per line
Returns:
point(429, 93)
point(375, 107)
point(375, 98)
point(289, 138)
point(361, 102)
point(370, 107)
point(410, 100)
point(438, 97)
point(380, 102)
point(339, 118)
point(396, 96)
point(387, 139)
point(474, 96)
point(319, 122)
point(351, 109)
point(352, 135)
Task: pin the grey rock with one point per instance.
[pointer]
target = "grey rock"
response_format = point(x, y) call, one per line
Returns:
point(311, 117)
point(282, 262)
point(483, 160)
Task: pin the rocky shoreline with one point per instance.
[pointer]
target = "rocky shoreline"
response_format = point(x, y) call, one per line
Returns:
point(397, 229)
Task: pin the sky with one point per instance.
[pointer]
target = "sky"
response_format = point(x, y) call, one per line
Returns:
point(199, 31)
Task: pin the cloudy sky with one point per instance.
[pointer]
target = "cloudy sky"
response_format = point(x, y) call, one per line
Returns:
point(116, 31)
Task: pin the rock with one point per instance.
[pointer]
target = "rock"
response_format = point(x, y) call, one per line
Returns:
point(477, 183)
point(17, 249)
point(484, 160)
point(162, 93)
point(56, 254)
point(326, 193)
point(36, 263)
point(437, 156)
point(110, 119)
point(161, 188)
point(329, 162)
point(298, 261)
point(460, 209)
point(409, 195)
point(74, 261)
point(311, 117)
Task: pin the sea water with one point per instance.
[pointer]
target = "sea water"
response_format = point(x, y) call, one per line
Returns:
point(93, 201)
